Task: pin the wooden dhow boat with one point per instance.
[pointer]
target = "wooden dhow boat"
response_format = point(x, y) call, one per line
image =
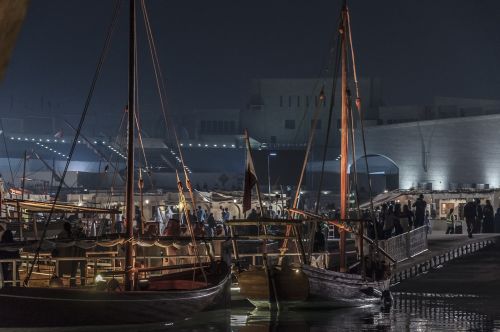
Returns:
point(160, 298)
point(305, 284)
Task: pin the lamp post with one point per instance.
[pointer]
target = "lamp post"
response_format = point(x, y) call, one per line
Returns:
point(270, 154)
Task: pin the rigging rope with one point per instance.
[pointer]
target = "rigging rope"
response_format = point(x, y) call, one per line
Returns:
point(361, 120)
point(97, 72)
point(7, 151)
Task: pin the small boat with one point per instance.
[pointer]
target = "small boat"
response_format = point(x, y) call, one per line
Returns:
point(307, 287)
point(162, 299)
point(300, 284)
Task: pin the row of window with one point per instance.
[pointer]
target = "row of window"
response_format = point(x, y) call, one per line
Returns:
point(298, 101)
point(218, 127)
point(290, 124)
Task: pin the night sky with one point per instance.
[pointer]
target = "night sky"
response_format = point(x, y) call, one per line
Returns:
point(210, 50)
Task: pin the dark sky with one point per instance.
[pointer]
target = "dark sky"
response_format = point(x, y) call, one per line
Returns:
point(210, 50)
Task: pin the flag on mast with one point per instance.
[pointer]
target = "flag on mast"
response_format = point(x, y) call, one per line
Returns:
point(250, 177)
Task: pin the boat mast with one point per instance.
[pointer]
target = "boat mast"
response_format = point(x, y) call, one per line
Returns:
point(129, 205)
point(344, 142)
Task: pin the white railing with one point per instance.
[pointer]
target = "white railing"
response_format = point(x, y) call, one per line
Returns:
point(406, 245)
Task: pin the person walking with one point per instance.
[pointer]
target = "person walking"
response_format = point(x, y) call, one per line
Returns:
point(489, 217)
point(419, 206)
point(470, 212)
point(450, 222)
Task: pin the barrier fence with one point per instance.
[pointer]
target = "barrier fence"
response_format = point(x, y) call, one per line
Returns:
point(407, 245)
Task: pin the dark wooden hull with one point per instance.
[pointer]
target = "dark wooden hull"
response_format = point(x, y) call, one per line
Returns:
point(324, 289)
point(24, 307)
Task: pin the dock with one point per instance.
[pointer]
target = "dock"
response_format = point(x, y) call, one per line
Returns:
point(442, 248)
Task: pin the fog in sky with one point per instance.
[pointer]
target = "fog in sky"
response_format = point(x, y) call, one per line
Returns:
point(210, 50)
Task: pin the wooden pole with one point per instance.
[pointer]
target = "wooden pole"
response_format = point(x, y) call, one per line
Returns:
point(344, 144)
point(130, 206)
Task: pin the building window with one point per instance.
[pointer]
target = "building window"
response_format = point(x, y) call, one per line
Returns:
point(318, 124)
point(203, 126)
point(289, 124)
point(281, 101)
point(273, 139)
point(289, 101)
point(298, 101)
point(307, 101)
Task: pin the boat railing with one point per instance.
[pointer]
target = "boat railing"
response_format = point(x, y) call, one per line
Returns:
point(94, 265)
point(407, 245)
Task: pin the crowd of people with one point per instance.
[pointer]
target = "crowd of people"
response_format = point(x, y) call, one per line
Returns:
point(395, 219)
point(478, 218)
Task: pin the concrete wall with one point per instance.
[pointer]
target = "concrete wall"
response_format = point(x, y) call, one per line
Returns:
point(445, 152)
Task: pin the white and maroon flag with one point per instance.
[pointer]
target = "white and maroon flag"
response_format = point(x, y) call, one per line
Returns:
point(250, 178)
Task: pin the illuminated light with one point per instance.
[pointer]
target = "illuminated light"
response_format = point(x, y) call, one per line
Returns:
point(26, 139)
point(33, 139)
point(223, 145)
point(99, 278)
point(19, 138)
point(181, 144)
point(39, 139)
point(215, 145)
point(234, 200)
point(48, 140)
point(273, 154)
point(79, 141)
point(103, 142)
point(95, 142)
point(199, 144)
point(37, 143)
point(386, 191)
point(206, 145)
point(302, 193)
point(264, 203)
point(55, 141)
point(190, 144)
point(232, 145)
point(12, 138)
point(146, 201)
point(63, 141)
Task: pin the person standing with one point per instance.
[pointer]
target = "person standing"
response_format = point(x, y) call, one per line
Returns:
point(389, 222)
point(419, 206)
point(450, 222)
point(398, 229)
point(427, 222)
point(488, 214)
point(497, 221)
point(406, 219)
point(479, 217)
point(470, 212)
point(211, 224)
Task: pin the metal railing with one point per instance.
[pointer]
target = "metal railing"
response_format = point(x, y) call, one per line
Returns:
point(407, 245)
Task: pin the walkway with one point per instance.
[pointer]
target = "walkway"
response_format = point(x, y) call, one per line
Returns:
point(442, 248)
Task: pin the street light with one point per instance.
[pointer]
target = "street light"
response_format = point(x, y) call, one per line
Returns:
point(270, 154)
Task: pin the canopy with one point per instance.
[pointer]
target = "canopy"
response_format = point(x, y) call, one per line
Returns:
point(37, 206)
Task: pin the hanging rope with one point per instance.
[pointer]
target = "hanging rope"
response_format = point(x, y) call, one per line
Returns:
point(97, 73)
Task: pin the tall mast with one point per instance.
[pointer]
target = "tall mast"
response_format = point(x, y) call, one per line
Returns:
point(344, 142)
point(130, 206)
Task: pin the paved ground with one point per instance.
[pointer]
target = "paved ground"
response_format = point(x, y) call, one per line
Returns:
point(439, 242)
